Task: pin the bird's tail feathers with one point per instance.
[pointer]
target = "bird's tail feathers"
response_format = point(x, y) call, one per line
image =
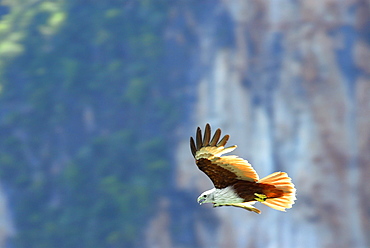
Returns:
point(283, 182)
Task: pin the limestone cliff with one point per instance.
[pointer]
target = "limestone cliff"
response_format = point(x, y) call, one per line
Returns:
point(7, 229)
point(290, 82)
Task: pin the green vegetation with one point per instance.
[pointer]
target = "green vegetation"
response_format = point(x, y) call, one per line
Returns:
point(82, 116)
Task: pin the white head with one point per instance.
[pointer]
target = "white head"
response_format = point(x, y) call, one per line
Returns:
point(207, 196)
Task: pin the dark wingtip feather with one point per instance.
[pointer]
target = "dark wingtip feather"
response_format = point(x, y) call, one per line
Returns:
point(192, 146)
point(207, 135)
point(224, 140)
point(199, 138)
point(215, 138)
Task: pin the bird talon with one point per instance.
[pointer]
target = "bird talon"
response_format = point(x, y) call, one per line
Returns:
point(260, 197)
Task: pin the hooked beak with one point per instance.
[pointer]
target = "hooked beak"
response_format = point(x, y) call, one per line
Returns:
point(201, 200)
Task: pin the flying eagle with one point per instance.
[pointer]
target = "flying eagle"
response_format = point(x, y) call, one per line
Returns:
point(236, 182)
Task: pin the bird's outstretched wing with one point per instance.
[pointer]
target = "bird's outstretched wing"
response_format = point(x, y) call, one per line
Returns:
point(246, 205)
point(222, 170)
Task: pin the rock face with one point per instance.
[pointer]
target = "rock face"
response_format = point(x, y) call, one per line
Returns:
point(290, 82)
point(7, 229)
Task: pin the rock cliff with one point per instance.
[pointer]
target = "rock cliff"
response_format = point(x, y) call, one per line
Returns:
point(290, 82)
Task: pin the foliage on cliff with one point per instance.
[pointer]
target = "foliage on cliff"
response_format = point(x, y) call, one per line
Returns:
point(85, 105)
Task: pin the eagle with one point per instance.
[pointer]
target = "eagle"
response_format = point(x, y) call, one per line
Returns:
point(235, 181)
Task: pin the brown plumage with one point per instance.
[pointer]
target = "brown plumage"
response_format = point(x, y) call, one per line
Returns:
point(236, 182)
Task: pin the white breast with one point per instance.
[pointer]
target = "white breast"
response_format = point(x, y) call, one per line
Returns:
point(227, 195)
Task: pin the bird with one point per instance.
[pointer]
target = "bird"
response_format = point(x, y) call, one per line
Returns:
point(235, 181)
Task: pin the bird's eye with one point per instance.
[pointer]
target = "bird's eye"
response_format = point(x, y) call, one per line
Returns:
point(205, 196)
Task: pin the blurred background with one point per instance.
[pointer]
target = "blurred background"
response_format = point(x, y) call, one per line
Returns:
point(98, 100)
